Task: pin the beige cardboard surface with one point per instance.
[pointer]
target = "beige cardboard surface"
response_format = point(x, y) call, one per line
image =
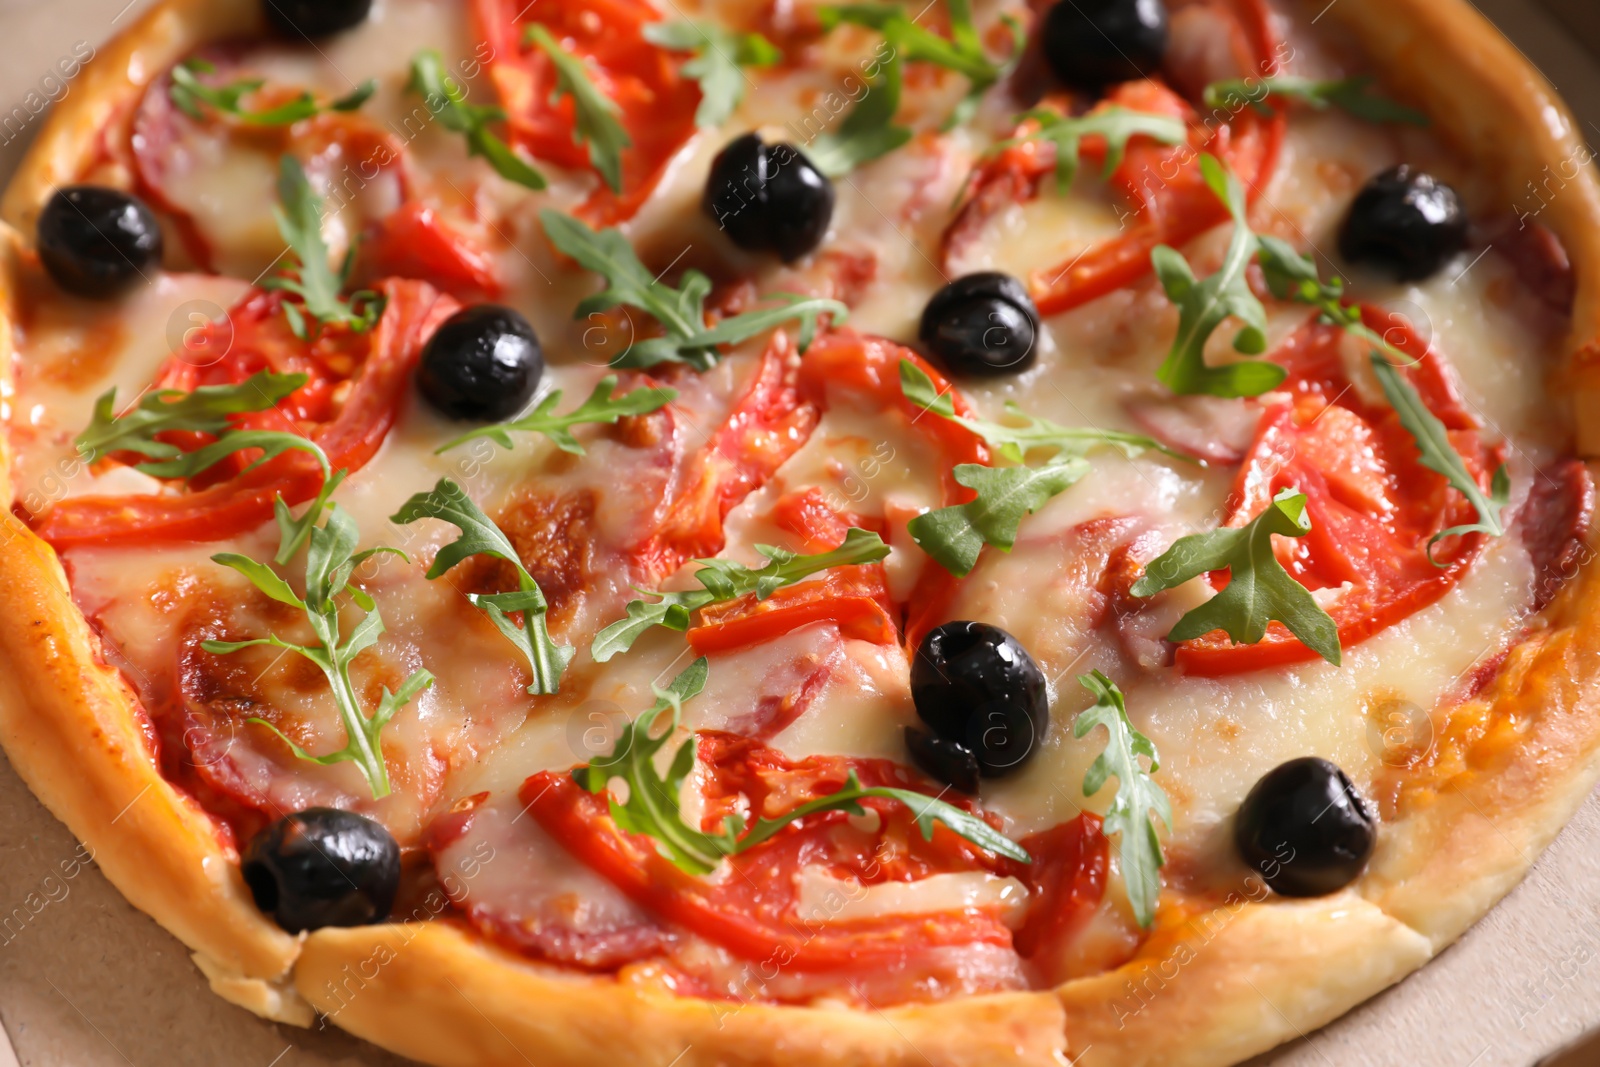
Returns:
point(88, 981)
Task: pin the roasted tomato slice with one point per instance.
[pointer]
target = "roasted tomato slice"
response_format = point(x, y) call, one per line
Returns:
point(1373, 505)
point(657, 103)
point(356, 383)
point(870, 368)
point(769, 422)
point(754, 912)
point(854, 598)
point(1167, 195)
point(415, 241)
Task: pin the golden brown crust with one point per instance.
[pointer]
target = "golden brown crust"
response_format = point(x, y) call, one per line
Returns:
point(1228, 983)
point(69, 726)
point(439, 994)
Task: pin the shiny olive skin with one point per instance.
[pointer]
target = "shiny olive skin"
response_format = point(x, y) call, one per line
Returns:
point(98, 242)
point(1305, 829)
point(1405, 224)
point(484, 363)
point(768, 198)
point(1090, 44)
point(315, 18)
point(323, 867)
point(976, 687)
point(981, 325)
point(944, 761)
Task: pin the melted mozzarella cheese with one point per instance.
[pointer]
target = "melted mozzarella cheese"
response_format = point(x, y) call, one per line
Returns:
point(476, 730)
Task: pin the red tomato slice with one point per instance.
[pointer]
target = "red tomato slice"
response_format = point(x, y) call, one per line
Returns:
point(854, 598)
point(753, 911)
point(1065, 883)
point(1170, 200)
point(870, 366)
point(376, 366)
point(767, 425)
point(414, 242)
point(1373, 505)
point(657, 103)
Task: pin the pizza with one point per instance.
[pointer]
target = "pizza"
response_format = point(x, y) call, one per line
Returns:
point(850, 534)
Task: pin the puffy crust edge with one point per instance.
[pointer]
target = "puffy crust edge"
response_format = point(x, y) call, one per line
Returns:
point(1439, 869)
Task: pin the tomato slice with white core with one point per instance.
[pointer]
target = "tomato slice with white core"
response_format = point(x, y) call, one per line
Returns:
point(1169, 201)
point(371, 370)
point(754, 912)
point(1373, 505)
point(768, 423)
point(869, 368)
point(853, 598)
point(416, 241)
point(656, 103)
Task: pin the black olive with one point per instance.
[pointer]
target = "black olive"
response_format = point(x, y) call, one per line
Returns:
point(98, 242)
point(768, 198)
point(944, 761)
point(976, 687)
point(1404, 223)
point(315, 18)
point(981, 325)
point(1092, 43)
point(323, 867)
point(484, 363)
point(1305, 829)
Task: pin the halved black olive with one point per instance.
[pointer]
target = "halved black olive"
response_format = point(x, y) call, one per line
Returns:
point(981, 325)
point(1091, 43)
point(323, 867)
point(976, 688)
point(1305, 829)
point(98, 242)
point(315, 18)
point(1404, 223)
point(768, 198)
point(484, 363)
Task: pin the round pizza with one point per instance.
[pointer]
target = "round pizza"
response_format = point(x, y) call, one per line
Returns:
point(791, 532)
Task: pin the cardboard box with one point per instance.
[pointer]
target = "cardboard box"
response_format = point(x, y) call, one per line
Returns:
point(88, 981)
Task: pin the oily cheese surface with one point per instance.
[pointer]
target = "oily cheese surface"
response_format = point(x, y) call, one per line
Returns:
point(1217, 737)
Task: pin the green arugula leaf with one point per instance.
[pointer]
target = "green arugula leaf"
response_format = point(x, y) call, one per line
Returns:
point(680, 311)
point(1205, 305)
point(962, 52)
point(447, 101)
point(719, 53)
point(1352, 95)
point(188, 93)
point(652, 807)
point(330, 563)
point(205, 410)
point(309, 276)
point(1292, 276)
point(1129, 817)
point(481, 537)
point(723, 580)
point(1440, 456)
point(1014, 442)
point(1259, 589)
point(601, 407)
point(955, 535)
point(594, 113)
point(867, 132)
point(1118, 125)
